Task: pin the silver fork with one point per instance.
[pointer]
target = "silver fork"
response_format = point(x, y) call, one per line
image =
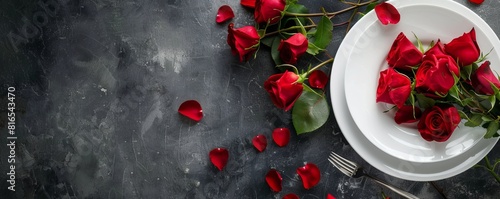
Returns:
point(352, 169)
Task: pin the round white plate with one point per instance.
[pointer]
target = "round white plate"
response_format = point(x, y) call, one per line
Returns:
point(429, 22)
point(409, 170)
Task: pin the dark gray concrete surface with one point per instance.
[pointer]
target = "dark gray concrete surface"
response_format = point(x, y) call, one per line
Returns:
point(98, 84)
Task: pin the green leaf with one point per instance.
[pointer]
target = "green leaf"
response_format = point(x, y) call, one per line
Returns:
point(419, 43)
point(474, 121)
point(324, 33)
point(267, 41)
point(370, 7)
point(291, 2)
point(310, 112)
point(298, 8)
point(424, 102)
point(453, 92)
point(492, 100)
point(492, 129)
point(465, 72)
point(313, 49)
point(275, 54)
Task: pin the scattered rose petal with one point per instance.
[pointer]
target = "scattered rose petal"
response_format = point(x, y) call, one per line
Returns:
point(219, 157)
point(273, 179)
point(248, 3)
point(224, 13)
point(281, 136)
point(259, 142)
point(387, 13)
point(290, 196)
point(309, 174)
point(477, 1)
point(318, 79)
point(191, 109)
point(330, 196)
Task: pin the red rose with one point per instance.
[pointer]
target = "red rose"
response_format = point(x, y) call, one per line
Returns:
point(292, 48)
point(407, 114)
point(437, 49)
point(393, 87)
point(243, 41)
point(268, 10)
point(403, 54)
point(483, 78)
point(464, 48)
point(438, 123)
point(284, 89)
point(434, 76)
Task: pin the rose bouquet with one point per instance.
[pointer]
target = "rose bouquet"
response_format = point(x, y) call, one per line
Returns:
point(441, 86)
point(290, 32)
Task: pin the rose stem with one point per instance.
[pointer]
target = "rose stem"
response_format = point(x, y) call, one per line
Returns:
point(330, 13)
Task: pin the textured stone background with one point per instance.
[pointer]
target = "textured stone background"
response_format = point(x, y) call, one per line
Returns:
point(98, 86)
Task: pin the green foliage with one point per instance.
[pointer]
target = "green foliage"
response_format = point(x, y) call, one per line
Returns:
point(310, 111)
point(324, 34)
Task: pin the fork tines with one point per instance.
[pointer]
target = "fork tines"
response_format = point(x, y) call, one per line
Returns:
point(347, 167)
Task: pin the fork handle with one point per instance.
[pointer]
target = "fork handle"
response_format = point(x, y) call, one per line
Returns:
point(399, 191)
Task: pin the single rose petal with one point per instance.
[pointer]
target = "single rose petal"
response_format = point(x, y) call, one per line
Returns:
point(219, 157)
point(318, 79)
point(224, 13)
point(273, 179)
point(191, 109)
point(476, 1)
point(330, 196)
point(248, 3)
point(259, 142)
point(309, 174)
point(387, 13)
point(281, 136)
point(290, 196)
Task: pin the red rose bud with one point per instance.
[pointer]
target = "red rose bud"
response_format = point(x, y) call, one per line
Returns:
point(387, 13)
point(292, 48)
point(435, 75)
point(393, 87)
point(243, 41)
point(268, 10)
point(403, 54)
point(284, 89)
point(483, 78)
point(437, 49)
point(464, 48)
point(407, 114)
point(438, 123)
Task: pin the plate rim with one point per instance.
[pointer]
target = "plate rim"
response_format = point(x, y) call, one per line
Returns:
point(371, 154)
point(422, 151)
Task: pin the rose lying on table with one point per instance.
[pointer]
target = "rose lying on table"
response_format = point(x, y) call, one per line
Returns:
point(440, 86)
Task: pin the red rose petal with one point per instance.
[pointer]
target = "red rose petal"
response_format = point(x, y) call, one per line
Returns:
point(310, 175)
point(318, 79)
point(259, 142)
point(191, 109)
point(290, 196)
point(224, 13)
point(387, 13)
point(219, 157)
point(281, 136)
point(330, 196)
point(273, 179)
point(476, 1)
point(248, 3)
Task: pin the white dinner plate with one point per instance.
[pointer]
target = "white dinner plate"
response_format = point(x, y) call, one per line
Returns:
point(410, 170)
point(429, 22)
